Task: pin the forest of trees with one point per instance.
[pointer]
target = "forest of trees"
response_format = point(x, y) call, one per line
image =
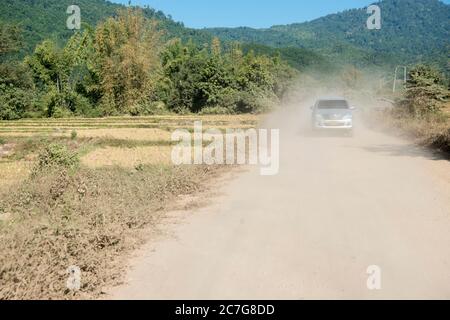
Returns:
point(125, 66)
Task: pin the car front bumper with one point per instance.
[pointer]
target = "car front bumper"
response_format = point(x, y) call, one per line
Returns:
point(335, 125)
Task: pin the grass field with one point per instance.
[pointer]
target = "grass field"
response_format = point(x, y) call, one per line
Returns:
point(126, 141)
point(92, 212)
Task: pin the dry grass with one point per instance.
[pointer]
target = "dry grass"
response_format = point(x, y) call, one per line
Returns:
point(149, 144)
point(12, 173)
point(124, 121)
point(24, 134)
point(446, 109)
point(127, 134)
point(128, 157)
point(432, 132)
point(90, 216)
point(156, 128)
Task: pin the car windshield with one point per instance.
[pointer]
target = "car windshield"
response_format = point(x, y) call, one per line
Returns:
point(333, 104)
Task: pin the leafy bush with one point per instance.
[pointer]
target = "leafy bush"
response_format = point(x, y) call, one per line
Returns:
point(57, 156)
point(16, 91)
point(425, 91)
point(215, 111)
point(14, 102)
point(65, 104)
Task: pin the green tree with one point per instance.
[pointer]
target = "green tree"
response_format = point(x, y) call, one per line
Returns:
point(10, 38)
point(425, 91)
point(16, 86)
point(66, 77)
point(127, 49)
point(210, 80)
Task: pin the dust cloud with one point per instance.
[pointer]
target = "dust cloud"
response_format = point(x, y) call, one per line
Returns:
point(338, 206)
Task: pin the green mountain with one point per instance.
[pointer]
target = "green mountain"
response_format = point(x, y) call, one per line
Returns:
point(412, 30)
point(42, 19)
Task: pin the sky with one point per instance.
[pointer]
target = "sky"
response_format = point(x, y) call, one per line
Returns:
point(250, 13)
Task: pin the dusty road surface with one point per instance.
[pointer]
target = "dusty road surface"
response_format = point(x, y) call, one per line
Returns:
point(338, 206)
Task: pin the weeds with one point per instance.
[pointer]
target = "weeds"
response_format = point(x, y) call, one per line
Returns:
point(432, 131)
point(86, 219)
point(66, 214)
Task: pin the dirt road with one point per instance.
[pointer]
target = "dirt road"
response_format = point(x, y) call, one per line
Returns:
point(337, 206)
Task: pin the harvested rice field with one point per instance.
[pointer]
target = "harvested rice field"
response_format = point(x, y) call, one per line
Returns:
point(103, 142)
point(127, 158)
point(85, 192)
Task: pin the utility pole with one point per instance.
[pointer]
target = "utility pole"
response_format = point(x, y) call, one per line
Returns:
point(395, 77)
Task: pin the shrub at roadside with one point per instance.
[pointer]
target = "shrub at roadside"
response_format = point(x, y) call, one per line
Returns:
point(425, 92)
point(432, 132)
point(57, 156)
point(419, 113)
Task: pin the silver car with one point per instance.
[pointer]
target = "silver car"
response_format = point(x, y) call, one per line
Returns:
point(332, 114)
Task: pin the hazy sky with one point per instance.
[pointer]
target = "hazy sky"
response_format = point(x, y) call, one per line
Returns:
point(252, 13)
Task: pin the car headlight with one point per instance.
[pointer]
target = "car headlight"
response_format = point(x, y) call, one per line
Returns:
point(319, 120)
point(348, 117)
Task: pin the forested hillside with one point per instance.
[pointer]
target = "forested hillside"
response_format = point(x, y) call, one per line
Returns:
point(39, 20)
point(412, 30)
point(43, 19)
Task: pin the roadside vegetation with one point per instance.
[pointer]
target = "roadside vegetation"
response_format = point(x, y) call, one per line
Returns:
point(123, 66)
point(87, 199)
point(422, 111)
